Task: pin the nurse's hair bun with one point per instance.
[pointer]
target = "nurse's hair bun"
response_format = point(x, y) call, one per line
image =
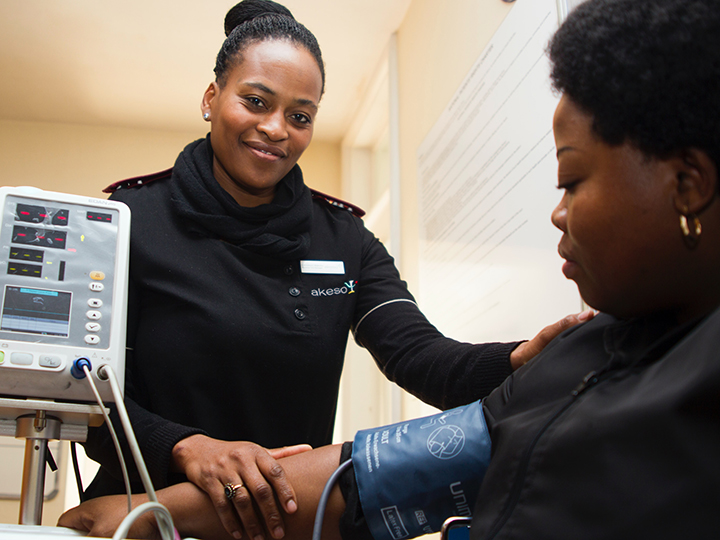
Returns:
point(248, 10)
point(253, 21)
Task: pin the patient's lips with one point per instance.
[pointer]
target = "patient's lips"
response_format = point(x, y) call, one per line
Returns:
point(569, 268)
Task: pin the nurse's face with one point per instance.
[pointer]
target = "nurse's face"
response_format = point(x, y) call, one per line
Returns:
point(621, 238)
point(262, 118)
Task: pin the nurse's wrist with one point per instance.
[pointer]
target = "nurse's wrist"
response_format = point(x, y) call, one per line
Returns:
point(182, 452)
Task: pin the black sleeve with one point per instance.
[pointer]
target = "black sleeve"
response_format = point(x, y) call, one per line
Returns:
point(156, 438)
point(410, 351)
point(440, 371)
point(155, 435)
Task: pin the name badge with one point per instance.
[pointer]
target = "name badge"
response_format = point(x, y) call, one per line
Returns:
point(322, 267)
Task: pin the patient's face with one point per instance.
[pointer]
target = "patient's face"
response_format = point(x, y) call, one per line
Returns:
point(621, 232)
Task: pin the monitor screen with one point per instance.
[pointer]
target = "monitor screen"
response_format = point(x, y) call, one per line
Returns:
point(36, 311)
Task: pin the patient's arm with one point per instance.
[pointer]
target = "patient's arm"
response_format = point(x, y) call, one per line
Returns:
point(195, 515)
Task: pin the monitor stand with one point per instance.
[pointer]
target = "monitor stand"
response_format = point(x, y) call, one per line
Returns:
point(39, 421)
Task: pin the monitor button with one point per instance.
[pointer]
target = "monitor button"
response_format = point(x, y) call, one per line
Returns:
point(50, 361)
point(21, 358)
point(92, 339)
point(92, 327)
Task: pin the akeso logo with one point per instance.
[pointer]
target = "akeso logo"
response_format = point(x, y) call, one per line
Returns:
point(347, 288)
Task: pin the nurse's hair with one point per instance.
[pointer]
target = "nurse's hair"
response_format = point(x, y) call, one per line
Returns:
point(647, 71)
point(253, 21)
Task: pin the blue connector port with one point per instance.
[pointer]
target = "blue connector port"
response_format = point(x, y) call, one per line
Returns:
point(77, 368)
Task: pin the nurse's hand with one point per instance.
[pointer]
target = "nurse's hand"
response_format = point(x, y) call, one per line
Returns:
point(211, 464)
point(527, 350)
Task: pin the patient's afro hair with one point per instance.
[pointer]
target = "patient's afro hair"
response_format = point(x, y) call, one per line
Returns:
point(647, 71)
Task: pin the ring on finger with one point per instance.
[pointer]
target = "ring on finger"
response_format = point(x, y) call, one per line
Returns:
point(232, 489)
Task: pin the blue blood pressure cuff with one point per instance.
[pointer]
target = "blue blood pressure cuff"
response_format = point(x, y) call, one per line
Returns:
point(413, 475)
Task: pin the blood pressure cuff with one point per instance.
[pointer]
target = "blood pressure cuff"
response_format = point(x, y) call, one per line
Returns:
point(413, 475)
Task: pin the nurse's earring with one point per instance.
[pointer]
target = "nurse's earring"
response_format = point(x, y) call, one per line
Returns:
point(206, 116)
point(691, 234)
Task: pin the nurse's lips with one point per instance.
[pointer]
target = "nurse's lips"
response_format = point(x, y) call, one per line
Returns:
point(266, 149)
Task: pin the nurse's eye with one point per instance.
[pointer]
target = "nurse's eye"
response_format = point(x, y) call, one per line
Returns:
point(255, 102)
point(301, 118)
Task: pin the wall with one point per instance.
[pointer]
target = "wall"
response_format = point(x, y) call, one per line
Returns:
point(437, 44)
point(84, 159)
point(321, 167)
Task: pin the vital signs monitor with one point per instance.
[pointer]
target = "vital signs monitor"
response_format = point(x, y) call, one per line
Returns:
point(63, 288)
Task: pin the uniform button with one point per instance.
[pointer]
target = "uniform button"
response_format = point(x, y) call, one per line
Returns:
point(289, 269)
point(294, 291)
point(300, 314)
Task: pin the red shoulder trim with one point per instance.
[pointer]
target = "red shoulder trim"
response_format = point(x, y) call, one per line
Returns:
point(138, 181)
point(334, 201)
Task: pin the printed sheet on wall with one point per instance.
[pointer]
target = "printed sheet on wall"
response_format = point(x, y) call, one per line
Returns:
point(489, 267)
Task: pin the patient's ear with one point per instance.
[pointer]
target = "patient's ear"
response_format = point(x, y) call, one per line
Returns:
point(697, 181)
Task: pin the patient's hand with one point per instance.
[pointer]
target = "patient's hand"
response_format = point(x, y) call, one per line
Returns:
point(101, 517)
point(527, 350)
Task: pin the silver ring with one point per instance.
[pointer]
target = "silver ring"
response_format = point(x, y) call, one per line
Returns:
point(231, 490)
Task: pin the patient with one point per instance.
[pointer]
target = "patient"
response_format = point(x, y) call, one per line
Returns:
point(613, 431)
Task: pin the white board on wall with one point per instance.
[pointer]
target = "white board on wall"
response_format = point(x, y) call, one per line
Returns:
point(489, 268)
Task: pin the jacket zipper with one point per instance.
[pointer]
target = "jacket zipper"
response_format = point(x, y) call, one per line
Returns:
point(590, 380)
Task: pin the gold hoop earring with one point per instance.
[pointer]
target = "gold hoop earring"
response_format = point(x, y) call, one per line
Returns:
point(691, 237)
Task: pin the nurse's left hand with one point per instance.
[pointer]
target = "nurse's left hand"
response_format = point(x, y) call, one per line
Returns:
point(210, 464)
point(529, 349)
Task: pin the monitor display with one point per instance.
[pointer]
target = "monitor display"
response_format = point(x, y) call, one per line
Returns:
point(36, 311)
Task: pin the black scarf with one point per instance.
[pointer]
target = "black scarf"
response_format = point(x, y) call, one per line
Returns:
point(279, 229)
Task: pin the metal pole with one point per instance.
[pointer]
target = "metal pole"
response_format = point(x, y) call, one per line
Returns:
point(37, 430)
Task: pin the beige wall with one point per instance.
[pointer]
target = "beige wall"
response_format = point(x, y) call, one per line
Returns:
point(436, 49)
point(321, 167)
point(84, 159)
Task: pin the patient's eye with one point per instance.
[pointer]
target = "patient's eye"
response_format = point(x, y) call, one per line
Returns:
point(568, 185)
